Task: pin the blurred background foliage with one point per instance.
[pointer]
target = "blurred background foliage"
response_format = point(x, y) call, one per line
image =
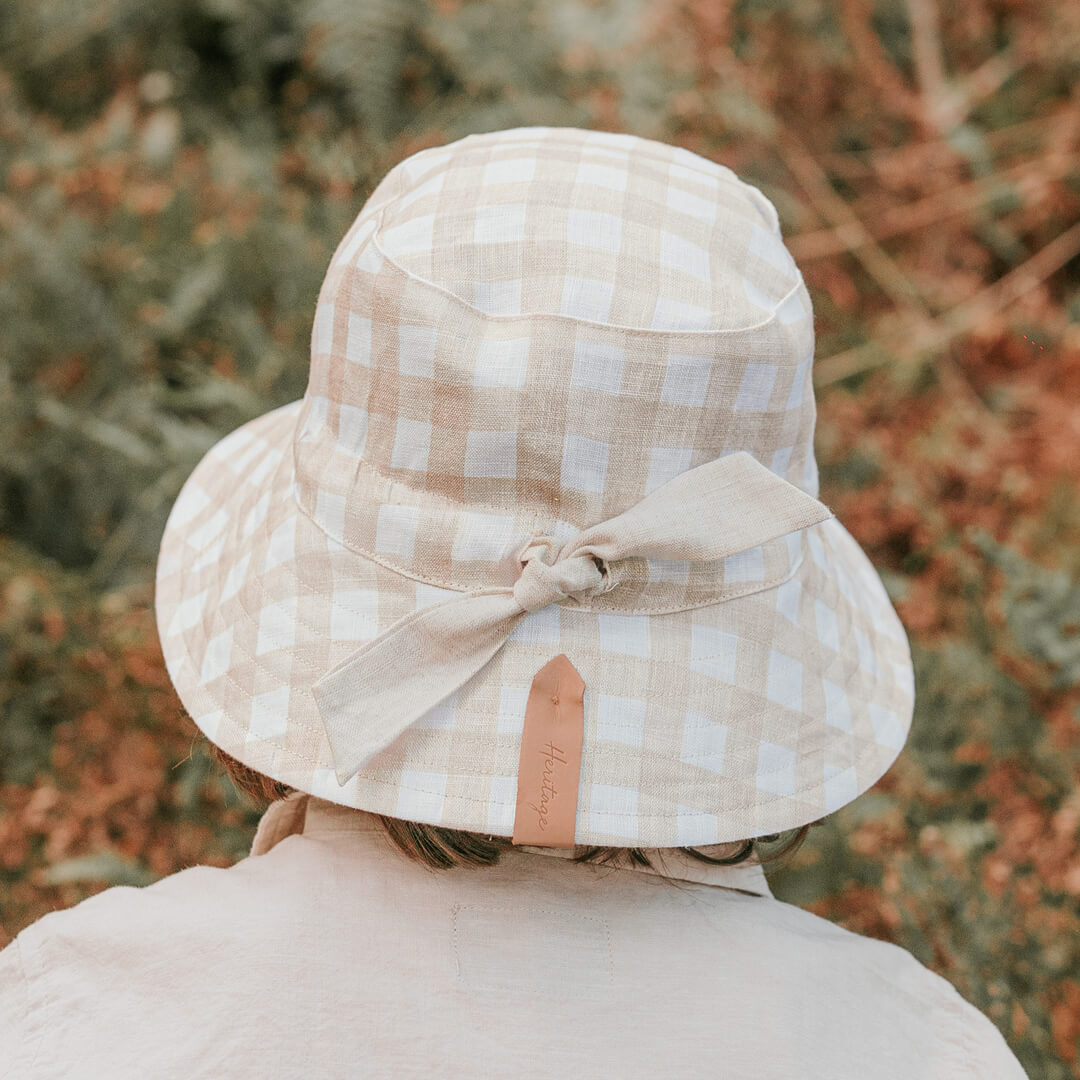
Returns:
point(173, 180)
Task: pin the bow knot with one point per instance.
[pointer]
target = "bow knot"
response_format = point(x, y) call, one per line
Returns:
point(723, 507)
point(542, 582)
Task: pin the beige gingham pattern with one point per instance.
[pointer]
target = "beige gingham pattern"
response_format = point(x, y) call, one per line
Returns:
point(523, 334)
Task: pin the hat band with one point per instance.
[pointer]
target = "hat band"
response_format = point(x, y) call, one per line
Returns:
point(721, 508)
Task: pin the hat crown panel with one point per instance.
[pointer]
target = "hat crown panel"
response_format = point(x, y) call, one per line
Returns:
point(608, 228)
point(461, 398)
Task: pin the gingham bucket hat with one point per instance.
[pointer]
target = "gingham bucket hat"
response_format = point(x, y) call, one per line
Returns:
point(559, 406)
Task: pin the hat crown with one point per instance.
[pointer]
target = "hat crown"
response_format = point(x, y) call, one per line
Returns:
point(528, 331)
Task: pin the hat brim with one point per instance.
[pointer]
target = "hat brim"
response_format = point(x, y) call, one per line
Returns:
point(704, 726)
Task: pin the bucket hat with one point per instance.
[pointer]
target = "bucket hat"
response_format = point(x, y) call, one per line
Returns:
point(554, 466)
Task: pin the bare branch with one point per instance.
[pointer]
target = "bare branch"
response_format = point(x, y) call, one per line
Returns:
point(958, 320)
point(938, 105)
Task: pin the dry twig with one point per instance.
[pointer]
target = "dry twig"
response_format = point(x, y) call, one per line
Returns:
point(821, 243)
point(958, 320)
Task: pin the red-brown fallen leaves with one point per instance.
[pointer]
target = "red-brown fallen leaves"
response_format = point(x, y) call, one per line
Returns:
point(1065, 1020)
point(1019, 1020)
point(1029, 834)
point(112, 785)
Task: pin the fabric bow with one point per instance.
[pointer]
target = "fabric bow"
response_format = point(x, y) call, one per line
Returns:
point(725, 506)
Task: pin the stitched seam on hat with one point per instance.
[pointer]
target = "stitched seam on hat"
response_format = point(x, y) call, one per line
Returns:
point(321, 635)
point(442, 583)
point(449, 502)
point(312, 669)
point(280, 752)
point(396, 785)
point(643, 331)
point(490, 775)
point(264, 665)
point(749, 590)
point(641, 149)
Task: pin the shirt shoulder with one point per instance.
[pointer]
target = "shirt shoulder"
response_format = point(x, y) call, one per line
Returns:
point(196, 903)
point(168, 955)
point(155, 949)
point(893, 980)
point(18, 1027)
point(981, 1043)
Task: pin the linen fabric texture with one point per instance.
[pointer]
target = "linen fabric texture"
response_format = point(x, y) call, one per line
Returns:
point(329, 954)
point(523, 336)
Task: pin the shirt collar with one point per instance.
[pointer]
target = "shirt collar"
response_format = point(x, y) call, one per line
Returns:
point(303, 813)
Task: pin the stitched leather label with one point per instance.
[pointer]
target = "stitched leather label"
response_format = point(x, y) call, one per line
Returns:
point(550, 765)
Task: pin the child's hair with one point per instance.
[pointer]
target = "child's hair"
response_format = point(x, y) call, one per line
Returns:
point(442, 848)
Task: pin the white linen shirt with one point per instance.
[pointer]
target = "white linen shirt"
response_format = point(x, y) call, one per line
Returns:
point(327, 953)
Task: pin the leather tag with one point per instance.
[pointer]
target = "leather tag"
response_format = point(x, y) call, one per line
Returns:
point(550, 765)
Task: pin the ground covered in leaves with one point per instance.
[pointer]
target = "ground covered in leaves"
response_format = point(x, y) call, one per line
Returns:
point(173, 180)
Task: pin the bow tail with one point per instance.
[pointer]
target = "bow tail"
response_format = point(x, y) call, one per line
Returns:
point(375, 694)
point(726, 506)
